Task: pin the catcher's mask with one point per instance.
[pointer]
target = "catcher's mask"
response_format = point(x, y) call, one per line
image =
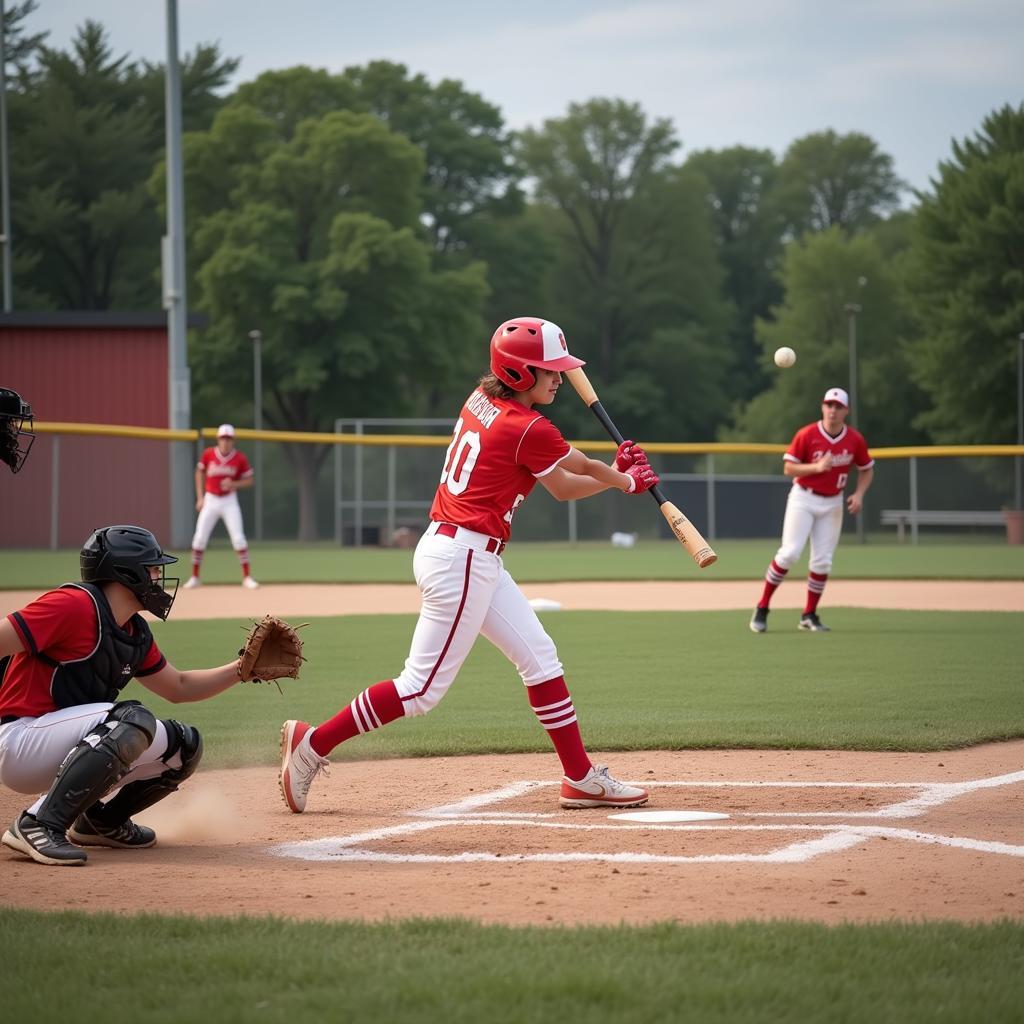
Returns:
point(125, 554)
point(16, 439)
point(524, 342)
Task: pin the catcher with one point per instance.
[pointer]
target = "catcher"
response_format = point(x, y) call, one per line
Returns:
point(64, 658)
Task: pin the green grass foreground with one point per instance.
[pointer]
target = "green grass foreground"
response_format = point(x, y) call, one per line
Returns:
point(880, 558)
point(882, 680)
point(264, 969)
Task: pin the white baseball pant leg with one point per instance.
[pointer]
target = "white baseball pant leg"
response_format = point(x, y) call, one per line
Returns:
point(220, 506)
point(457, 583)
point(32, 749)
point(810, 516)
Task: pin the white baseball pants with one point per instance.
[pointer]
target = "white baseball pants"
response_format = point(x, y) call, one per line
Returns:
point(32, 749)
point(220, 506)
point(467, 591)
point(809, 515)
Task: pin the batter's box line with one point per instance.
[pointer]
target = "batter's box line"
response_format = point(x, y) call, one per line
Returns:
point(929, 796)
point(836, 839)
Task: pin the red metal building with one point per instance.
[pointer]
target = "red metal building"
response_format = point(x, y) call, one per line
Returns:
point(92, 367)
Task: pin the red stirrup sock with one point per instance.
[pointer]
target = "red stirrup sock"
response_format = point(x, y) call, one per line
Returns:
point(772, 580)
point(554, 709)
point(197, 560)
point(375, 706)
point(815, 588)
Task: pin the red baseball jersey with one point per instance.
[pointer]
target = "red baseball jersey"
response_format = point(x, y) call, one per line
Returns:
point(223, 467)
point(499, 451)
point(61, 624)
point(848, 448)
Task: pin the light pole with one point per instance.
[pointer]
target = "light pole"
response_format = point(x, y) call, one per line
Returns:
point(257, 421)
point(1020, 420)
point(852, 309)
point(5, 180)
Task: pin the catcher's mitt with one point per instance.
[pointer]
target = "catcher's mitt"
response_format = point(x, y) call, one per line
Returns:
point(272, 650)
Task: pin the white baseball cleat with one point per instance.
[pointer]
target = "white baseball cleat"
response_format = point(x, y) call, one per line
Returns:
point(300, 764)
point(598, 789)
point(192, 582)
point(249, 583)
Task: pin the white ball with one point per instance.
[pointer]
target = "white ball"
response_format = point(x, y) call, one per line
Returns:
point(784, 356)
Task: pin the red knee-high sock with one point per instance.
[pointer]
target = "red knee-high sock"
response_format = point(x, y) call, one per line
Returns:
point(243, 559)
point(772, 580)
point(554, 709)
point(197, 560)
point(815, 588)
point(375, 706)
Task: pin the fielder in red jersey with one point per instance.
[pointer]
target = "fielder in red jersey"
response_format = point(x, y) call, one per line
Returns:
point(501, 447)
point(819, 460)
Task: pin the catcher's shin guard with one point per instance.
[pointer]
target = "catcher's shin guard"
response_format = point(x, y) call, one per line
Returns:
point(183, 740)
point(97, 763)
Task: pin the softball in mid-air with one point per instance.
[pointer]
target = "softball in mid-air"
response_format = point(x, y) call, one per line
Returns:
point(784, 356)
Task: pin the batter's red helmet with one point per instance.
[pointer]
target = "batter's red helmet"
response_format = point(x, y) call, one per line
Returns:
point(525, 342)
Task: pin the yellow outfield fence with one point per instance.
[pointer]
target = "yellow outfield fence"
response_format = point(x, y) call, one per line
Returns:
point(373, 482)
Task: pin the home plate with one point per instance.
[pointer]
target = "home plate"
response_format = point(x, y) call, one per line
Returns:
point(654, 816)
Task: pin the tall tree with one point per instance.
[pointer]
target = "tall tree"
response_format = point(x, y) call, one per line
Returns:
point(821, 275)
point(590, 165)
point(827, 180)
point(968, 286)
point(748, 233)
point(20, 47)
point(87, 133)
point(316, 244)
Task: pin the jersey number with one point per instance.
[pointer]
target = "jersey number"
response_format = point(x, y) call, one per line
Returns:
point(460, 459)
point(841, 481)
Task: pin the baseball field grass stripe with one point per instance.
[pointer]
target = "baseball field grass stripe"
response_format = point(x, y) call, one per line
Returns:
point(408, 972)
point(956, 683)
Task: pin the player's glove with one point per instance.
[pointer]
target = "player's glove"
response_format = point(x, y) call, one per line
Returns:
point(272, 650)
point(643, 478)
point(629, 454)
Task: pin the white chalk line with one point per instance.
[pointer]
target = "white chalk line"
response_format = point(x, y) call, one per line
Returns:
point(837, 837)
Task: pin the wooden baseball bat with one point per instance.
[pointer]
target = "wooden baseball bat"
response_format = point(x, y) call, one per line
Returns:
point(686, 533)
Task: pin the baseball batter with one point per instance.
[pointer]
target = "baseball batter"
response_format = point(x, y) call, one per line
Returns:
point(16, 437)
point(819, 459)
point(502, 446)
point(65, 732)
point(221, 472)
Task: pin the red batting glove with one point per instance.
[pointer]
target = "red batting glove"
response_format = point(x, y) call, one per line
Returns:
point(629, 454)
point(643, 478)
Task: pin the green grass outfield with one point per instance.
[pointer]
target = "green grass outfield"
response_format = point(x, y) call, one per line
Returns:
point(941, 557)
point(159, 970)
point(882, 680)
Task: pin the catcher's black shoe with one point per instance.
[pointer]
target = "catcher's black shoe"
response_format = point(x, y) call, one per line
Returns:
point(126, 836)
point(43, 844)
point(812, 624)
point(759, 620)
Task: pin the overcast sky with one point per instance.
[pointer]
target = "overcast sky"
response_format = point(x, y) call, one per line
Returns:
point(912, 74)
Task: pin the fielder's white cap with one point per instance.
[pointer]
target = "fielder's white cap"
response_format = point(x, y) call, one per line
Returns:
point(837, 395)
point(225, 430)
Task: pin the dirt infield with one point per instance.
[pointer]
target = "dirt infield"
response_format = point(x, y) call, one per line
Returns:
point(817, 835)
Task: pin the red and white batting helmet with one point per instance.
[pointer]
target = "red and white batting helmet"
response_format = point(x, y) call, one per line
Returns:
point(524, 342)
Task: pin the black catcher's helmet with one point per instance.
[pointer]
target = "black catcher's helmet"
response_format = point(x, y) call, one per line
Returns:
point(15, 412)
point(124, 554)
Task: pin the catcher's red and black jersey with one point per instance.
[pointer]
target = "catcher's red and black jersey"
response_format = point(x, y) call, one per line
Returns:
point(63, 625)
point(499, 451)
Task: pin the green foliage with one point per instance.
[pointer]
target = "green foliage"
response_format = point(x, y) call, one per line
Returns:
point(823, 275)
point(88, 128)
point(827, 180)
point(968, 287)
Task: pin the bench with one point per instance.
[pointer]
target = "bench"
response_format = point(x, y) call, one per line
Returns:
point(901, 517)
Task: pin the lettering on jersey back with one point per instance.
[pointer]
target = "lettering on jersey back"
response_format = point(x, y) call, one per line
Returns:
point(483, 409)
